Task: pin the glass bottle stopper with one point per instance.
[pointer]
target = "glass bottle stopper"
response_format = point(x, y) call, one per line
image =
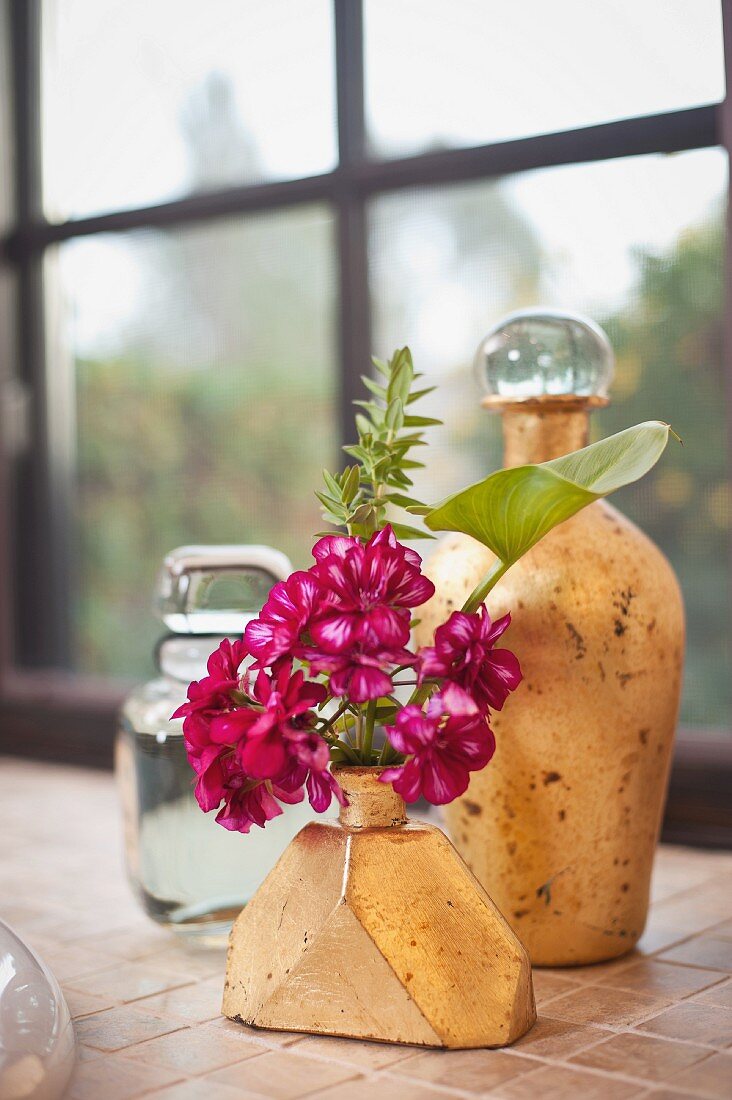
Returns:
point(545, 356)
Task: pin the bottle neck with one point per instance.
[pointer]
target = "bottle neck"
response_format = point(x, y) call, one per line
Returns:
point(371, 804)
point(535, 434)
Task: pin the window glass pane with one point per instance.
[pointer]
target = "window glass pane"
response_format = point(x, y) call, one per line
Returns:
point(638, 245)
point(203, 370)
point(473, 72)
point(149, 101)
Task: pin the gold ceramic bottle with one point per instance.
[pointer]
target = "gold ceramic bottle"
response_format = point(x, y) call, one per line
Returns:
point(372, 927)
point(561, 827)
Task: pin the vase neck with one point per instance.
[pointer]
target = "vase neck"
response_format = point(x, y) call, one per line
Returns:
point(536, 434)
point(371, 804)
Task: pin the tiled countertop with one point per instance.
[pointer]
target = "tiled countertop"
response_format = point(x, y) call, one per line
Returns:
point(657, 1023)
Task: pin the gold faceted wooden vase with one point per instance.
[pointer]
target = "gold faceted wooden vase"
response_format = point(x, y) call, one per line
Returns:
point(561, 827)
point(372, 927)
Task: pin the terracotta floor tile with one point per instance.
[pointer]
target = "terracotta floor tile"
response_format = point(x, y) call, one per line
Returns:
point(86, 1054)
point(724, 929)
point(83, 1004)
point(693, 912)
point(127, 982)
point(195, 1051)
point(121, 1027)
point(70, 899)
point(258, 1034)
point(688, 913)
point(694, 1023)
point(69, 961)
point(559, 1083)
point(201, 1089)
point(670, 980)
point(381, 1088)
point(469, 1070)
point(717, 995)
point(547, 986)
point(640, 1056)
point(193, 1003)
point(192, 963)
point(593, 975)
point(597, 1004)
point(114, 1079)
point(677, 878)
point(280, 1075)
point(352, 1052)
point(711, 1078)
point(129, 943)
point(706, 950)
point(669, 1094)
point(659, 936)
point(556, 1039)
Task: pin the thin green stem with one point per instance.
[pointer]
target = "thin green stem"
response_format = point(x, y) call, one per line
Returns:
point(490, 580)
point(368, 738)
point(347, 751)
point(328, 723)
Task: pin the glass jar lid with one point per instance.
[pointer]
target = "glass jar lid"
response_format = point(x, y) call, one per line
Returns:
point(216, 589)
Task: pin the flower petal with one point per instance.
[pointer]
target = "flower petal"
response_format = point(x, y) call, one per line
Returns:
point(335, 633)
point(369, 683)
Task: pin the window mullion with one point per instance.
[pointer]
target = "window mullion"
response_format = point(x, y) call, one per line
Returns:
point(41, 506)
point(354, 327)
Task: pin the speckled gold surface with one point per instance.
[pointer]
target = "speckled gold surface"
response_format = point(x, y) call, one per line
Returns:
point(373, 928)
point(561, 827)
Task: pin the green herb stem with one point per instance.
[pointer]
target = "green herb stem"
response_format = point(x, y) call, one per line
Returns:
point(368, 738)
point(490, 580)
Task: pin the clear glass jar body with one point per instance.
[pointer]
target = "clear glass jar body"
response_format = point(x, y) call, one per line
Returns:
point(189, 873)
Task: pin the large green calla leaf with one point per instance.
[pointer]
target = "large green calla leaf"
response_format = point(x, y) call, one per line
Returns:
point(512, 509)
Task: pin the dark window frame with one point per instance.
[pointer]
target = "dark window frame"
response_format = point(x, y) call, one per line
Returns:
point(45, 710)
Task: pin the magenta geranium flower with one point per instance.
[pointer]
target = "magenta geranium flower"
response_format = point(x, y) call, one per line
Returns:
point(274, 724)
point(253, 754)
point(463, 653)
point(442, 745)
point(358, 673)
point(250, 802)
point(208, 698)
point(369, 589)
point(285, 617)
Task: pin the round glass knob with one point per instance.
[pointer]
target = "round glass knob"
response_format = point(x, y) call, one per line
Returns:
point(539, 352)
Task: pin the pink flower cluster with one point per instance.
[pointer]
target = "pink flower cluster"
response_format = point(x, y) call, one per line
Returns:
point(253, 747)
point(347, 618)
point(348, 615)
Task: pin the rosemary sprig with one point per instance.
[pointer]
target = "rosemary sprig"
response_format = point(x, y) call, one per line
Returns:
point(358, 497)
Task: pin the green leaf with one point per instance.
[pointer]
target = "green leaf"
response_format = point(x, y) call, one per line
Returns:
point(332, 485)
point(402, 501)
point(512, 509)
point(327, 501)
point(356, 451)
point(394, 418)
point(404, 531)
point(399, 480)
point(363, 426)
point(362, 514)
point(381, 367)
point(419, 509)
point(420, 421)
point(420, 393)
point(350, 480)
point(373, 387)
